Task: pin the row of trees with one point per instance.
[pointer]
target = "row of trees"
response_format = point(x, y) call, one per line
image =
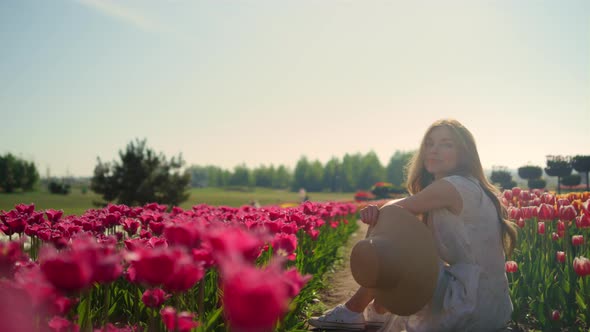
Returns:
point(16, 173)
point(557, 166)
point(352, 172)
point(142, 176)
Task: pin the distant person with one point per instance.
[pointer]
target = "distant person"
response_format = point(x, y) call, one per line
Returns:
point(303, 195)
point(451, 195)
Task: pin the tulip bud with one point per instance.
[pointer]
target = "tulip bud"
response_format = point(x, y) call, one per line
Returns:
point(546, 212)
point(582, 266)
point(577, 240)
point(511, 266)
point(541, 227)
point(567, 213)
point(555, 315)
point(560, 256)
point(520, 223)
point(554, 236)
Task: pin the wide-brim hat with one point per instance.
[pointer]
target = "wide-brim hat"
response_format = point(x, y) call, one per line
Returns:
point(398, 261)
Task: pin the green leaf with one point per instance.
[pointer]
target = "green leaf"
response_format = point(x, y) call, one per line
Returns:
point(580, 301)
point(82, 319)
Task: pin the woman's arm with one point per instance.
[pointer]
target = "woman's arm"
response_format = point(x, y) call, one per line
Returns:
point(439, 194)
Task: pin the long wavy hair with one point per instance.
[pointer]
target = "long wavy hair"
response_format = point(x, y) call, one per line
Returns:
point(468, 165)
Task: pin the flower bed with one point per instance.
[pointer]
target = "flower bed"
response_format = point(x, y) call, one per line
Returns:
point(141, 268)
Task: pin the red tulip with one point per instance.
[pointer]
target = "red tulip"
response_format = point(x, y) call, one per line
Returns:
point(507, 194)
point(130, 226)
point(582, 266)
point(154, 298)
point(554, 236)
point(547, 198)
point(555, 315)
point(53, 215)
point(516, 191)
point(67, 270)
point(60, 324)
point(285, 244)
point(567, 213)
point(583, 221)
point(185, 275)
point(244, 285)
point(541, 227)
point(560, 256)
point(524, 196)
point(546, 212)
point(577, 240)
point(182, 322)
point(520, 223)
point(152, 266)
point(511, 266)
point(514, 213)
point(527, 212)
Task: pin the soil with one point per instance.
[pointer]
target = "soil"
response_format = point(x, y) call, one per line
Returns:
point(341, 283)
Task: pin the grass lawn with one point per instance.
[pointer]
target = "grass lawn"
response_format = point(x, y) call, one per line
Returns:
point(77, 203)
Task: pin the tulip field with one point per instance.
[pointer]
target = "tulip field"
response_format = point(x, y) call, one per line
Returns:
point(220, 268)
point(549, 271)
point(144, 269)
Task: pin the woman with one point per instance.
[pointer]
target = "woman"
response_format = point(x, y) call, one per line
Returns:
point(450, 193)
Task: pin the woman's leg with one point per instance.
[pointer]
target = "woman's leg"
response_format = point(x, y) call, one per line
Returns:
point(360, 300)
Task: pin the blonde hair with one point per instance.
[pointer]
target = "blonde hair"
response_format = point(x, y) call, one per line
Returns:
point(468, 165)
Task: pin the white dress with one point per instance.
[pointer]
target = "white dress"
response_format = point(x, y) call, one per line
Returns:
point(472, 291)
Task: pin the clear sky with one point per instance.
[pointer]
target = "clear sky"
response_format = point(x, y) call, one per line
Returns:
point(265, 82)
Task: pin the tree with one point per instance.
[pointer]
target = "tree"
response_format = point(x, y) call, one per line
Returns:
point(581, 164)
point(299, 176)
point(571, 180)
point(314, 176)
point(331, 175)
point(16, 173)
point(263, 176)
point(558, 166)
point(281, 178)
point(532, 174)
point(371, 171)
point(502, 177)
point(241, 177)
point(199, 176)
point(141, 176)
point(396, 169)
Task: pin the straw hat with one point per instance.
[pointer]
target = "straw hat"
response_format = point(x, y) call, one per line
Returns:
point(398, 260)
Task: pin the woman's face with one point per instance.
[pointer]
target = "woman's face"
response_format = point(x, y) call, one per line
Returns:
point(441, 155)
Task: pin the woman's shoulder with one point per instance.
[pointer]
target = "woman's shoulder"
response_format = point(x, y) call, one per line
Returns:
point(461, 179)
point(464, 184)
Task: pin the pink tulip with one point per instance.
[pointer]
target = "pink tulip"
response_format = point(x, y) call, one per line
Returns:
point(567, 213)
point(560, 256)
point(541, 227)
point(511, 266)
point(243, 285)
point(577, 240)
point(182, 322)
point(66, 270)
point(152, 266)
point(546, 212)
point(154, 298)
point(582, 266)
point(53, 215)
point(583, 221)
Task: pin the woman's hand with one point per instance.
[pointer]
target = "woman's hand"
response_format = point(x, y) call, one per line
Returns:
point(370, 214)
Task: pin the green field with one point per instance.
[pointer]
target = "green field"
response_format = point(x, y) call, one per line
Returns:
point(77, 203)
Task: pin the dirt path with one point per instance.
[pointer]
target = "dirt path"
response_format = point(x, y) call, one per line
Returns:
point(341, 283)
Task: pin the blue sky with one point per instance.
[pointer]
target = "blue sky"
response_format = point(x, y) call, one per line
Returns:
point(265, 82)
